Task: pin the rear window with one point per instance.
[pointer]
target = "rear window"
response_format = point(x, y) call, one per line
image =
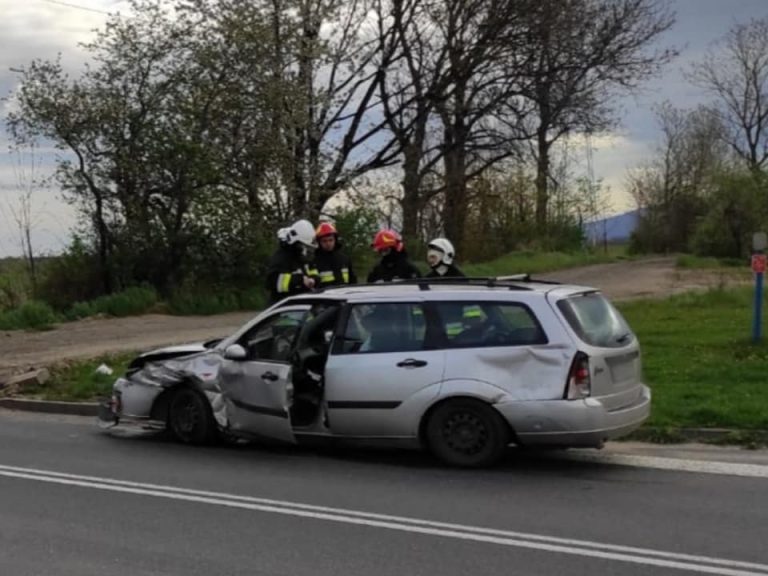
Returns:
point(488, 324)
point(596, 321)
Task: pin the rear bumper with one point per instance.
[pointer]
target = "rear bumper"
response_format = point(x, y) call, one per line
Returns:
point(585, 423)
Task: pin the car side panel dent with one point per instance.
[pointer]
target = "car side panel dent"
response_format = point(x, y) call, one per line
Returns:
point(521, 372)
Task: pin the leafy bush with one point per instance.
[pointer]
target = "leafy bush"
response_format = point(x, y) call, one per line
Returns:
point(129, 302)
point(32, 314)
point(203, 303)
point(72, 277)
point(736, 210)
point(212, 301)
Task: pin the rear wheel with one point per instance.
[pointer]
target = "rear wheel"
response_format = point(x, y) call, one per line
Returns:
point(190, 418)
point(466, 433)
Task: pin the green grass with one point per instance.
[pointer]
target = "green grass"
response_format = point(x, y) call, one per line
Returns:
point(691, 261)
point(698, 359)
point(32, 314)
point(207, 303)
point(535, 262)
point(78, 381)
point(129, 302)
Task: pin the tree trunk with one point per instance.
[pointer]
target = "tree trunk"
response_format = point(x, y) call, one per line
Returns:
point(542, 180)
point(454, 211)
point(411, 202)
point(103, 243)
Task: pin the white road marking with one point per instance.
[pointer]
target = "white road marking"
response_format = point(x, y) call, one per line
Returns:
point(675, 464)
point(644, 556)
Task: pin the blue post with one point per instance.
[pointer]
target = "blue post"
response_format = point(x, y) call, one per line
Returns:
point(757, 320)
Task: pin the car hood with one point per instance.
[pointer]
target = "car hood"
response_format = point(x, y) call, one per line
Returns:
point(170, 352)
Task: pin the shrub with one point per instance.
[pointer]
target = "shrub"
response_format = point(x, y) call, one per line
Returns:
point(32, 314)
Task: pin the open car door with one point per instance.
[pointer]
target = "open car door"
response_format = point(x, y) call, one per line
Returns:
point(256, 376)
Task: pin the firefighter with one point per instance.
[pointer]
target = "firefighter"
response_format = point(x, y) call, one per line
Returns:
point(394, 263)
point(334, 266)
point(440, 255)
point(289, 270)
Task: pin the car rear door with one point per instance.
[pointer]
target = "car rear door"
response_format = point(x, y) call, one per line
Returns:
point(501, 344)
point(381, 374)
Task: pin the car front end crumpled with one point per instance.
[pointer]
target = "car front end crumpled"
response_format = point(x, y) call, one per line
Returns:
point(137, 397)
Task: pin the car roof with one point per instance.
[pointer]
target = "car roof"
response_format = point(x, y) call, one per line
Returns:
point(513, 288)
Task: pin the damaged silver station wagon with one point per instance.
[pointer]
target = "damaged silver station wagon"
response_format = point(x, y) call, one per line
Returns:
point(461, 367)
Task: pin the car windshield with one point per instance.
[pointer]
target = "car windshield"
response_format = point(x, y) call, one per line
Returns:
point(596, 321)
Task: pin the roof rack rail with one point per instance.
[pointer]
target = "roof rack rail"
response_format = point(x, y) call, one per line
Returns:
point(527, 278)
point(512, 282)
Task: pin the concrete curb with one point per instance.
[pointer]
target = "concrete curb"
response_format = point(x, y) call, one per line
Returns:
point(51, 407)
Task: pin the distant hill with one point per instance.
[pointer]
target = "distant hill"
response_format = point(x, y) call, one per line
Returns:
point(612, 229)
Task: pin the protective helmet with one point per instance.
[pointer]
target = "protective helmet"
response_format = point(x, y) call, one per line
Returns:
point(444, 246)
point(387, 239)
point(301, 232)
point(325, 229)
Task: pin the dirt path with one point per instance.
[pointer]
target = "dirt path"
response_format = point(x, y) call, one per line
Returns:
point(92, 337)
point(647, 278)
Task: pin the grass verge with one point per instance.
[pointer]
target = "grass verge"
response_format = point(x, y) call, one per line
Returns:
point(699, 361)
point(691, 261)
point(78, 381)
point(535, 262)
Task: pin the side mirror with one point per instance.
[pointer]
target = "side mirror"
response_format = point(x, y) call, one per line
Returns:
point(235, 352)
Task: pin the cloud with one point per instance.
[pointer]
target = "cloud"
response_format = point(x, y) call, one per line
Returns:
point(613, 155)
point(41, 29)
point(52, 221)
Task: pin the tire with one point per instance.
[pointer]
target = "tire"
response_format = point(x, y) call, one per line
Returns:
point(467, 433)
point(190, 418)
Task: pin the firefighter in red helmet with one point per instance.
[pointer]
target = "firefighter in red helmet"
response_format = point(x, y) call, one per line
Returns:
point(332, 264)
point(394, 263)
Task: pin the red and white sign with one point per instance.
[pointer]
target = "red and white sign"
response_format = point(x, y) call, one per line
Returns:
point(758, 263)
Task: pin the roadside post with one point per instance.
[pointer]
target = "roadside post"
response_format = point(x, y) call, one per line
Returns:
point(759, 244)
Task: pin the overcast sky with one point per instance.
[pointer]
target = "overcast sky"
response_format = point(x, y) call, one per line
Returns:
point(32, 29)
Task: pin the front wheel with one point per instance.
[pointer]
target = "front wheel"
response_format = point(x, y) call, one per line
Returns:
point(190, 417)
point(467, 433)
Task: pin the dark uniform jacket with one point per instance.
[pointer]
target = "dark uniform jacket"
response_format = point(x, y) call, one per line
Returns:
point(334, 268)
point(394, 266)
point(286, 272)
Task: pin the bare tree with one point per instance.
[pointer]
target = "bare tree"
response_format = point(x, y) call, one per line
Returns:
point(329, 56)
point(673, 188)
point(454, 70)
point(737, 76)
point(26, 172)
point(583, 53)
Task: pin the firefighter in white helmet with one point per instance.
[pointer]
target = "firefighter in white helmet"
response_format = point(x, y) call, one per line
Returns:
point(440, 256)
point(289, 270)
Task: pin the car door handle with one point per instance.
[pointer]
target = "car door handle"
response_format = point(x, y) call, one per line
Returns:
point(411, 363)
point(269, 376)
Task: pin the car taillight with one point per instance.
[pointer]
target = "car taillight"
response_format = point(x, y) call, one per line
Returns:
point(579, 384)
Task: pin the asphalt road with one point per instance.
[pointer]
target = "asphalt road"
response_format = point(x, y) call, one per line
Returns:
point(77, 501)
